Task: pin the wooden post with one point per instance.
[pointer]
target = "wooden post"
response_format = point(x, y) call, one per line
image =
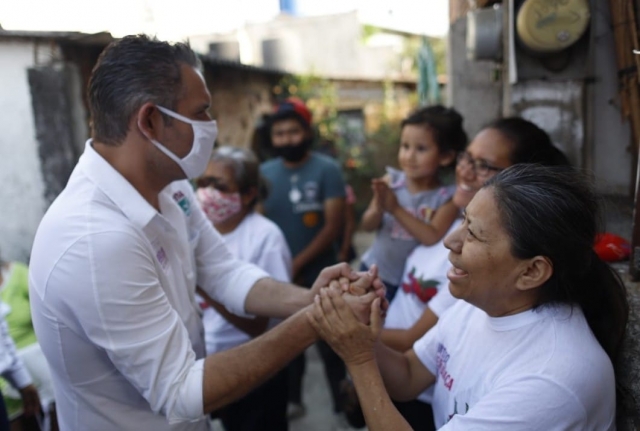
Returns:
point(625, 32)
point(634, 262)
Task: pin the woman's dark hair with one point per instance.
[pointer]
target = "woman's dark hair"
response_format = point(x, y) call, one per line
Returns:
point(129, 73)
point(554, 212)
point(531, 144)
point(246, 170)
point(444, 123)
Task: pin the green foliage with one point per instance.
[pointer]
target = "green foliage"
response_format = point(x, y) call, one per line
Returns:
point(320, 96)
point(368, 30)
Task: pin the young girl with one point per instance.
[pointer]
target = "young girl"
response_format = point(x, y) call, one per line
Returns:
point(228, 193)
point(411, 206)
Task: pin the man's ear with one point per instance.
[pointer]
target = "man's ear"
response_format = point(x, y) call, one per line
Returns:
point(447, 158)
point(148, 120)
point(536, 272)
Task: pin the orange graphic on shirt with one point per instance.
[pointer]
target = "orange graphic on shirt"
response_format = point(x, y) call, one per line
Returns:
point(311, 219)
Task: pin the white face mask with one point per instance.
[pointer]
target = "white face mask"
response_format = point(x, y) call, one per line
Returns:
point(204, 136)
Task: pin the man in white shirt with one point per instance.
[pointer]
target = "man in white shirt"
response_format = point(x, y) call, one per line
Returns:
point(117, 258)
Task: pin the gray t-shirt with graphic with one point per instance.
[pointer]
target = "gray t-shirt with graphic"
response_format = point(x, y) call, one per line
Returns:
point(393, 243)
point(296, 204)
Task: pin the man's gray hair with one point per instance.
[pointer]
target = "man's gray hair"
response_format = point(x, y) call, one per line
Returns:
point(129, 73)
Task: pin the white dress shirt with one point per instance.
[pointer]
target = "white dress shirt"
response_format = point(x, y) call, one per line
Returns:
point(112, 285)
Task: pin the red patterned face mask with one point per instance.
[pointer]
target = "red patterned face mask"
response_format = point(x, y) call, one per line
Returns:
point(218, 206)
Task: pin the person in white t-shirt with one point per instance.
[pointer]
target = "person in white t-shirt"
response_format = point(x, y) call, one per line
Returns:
point(532, 343)
point(424, 293)
point(119, 253)
point(228, 193)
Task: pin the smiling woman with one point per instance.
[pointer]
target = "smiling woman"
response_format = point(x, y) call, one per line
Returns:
point(537, 302)
point(484, 272)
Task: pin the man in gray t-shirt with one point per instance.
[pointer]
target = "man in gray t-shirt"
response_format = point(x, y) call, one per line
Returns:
point(306, 200)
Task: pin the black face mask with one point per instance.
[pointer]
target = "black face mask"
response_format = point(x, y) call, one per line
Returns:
point(294, 153)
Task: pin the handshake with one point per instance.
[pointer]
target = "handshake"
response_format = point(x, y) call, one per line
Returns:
point(348, 310)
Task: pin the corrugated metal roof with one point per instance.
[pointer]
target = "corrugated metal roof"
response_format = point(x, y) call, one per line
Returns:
point(102, 38)
point(214, 61)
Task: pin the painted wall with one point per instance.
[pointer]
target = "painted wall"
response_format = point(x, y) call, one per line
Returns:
point(472, 89)
point(583, 115)
point(611, 138)
point(557, 108)
point(578, 107)
point(239, 98)
point(22, 187)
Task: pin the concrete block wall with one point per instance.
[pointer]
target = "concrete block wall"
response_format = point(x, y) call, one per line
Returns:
point(23, 187)
point(43, 123)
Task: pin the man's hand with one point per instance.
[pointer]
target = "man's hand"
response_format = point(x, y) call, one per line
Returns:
point(341, 271)
point(354, 284)
point(333, 319)
point(30, 400)
point(368, 281)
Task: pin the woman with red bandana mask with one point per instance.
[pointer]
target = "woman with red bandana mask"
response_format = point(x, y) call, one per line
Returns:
point(228, 192)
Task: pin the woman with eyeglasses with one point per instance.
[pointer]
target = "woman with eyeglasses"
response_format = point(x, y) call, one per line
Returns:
point(423, 294)
point(228, 193)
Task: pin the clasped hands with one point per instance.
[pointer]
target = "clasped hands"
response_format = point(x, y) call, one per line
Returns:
point(348, 310)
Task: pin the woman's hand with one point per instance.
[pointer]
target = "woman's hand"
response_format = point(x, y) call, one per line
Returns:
point(336, 323)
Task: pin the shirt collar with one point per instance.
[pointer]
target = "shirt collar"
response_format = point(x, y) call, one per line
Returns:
point(116, 187)
point(515, 321)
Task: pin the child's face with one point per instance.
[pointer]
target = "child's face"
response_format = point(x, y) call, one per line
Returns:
point(419, 156)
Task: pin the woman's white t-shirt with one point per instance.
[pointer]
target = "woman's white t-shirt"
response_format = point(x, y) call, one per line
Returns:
point(259, 241)
point(536, 370)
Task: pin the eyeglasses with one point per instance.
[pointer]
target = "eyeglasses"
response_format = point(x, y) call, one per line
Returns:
point(479, 166)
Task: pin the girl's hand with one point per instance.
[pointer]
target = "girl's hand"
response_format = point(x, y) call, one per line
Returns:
point(386, 197)
point(335, 322)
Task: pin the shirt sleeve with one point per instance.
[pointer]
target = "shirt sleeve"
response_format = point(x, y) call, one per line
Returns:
point(106, 285)
point(226, 279)
point(16, 373)
point(521, 404)
point(426, 348)
point(333, 182)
